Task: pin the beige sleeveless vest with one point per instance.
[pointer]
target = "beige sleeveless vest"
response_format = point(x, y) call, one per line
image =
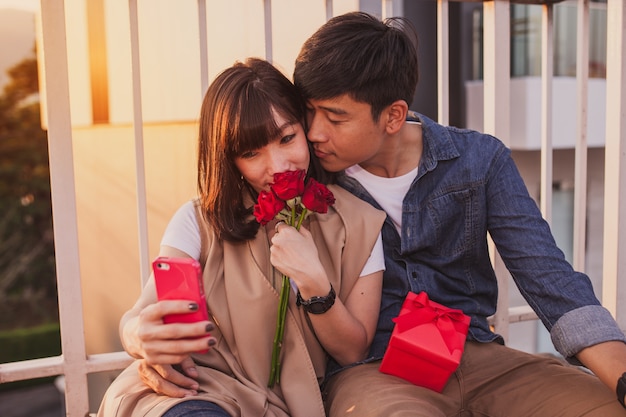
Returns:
point(240, 287)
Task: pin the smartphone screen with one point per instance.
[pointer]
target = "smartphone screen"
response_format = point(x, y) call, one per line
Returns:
point(180, 279)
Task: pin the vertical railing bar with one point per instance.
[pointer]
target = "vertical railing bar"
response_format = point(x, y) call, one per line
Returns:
point(387, 9)
point(142, 211)
point(580, 164)
point(392, 8)
point(267, 15)
point(614, 261)
point(497, 120)
point(204, 47)
point(63, 196)
point(443, 62)
point(496, 69)
point(547, 65)
point(329, 9)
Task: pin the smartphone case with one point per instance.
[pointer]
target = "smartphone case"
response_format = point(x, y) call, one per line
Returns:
point(180, 279)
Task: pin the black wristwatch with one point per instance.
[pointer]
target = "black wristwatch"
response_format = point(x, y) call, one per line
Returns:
point(317, 305)
point(621, 389)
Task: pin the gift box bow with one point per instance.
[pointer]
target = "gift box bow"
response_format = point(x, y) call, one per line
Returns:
point(449, 322)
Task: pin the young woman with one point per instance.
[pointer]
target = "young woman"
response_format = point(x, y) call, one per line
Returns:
point(251, 127)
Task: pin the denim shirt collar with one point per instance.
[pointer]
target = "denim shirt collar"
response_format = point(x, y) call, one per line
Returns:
point(437, 143)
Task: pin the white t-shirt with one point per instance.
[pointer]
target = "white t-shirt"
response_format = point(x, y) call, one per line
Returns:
point(388, 192)
point(183, 233)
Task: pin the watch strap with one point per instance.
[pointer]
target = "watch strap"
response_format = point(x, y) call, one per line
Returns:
point(621, 389)
point(316, 304)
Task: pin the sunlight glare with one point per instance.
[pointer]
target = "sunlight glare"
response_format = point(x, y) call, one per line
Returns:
point(29, 5)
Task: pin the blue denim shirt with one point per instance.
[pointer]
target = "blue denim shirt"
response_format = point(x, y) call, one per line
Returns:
point(467, 185)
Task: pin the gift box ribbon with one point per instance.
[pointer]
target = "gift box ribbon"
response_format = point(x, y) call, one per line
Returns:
point(446, 320)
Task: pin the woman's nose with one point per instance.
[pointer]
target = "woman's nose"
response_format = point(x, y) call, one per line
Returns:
point(278, 163)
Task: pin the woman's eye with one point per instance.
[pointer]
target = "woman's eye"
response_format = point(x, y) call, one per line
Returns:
point(248, 155)
point(287, 139)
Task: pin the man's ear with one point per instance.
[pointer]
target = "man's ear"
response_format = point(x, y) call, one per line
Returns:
point(396, 116)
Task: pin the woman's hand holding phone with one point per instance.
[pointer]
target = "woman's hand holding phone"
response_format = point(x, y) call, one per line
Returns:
point(154, 332)
point(166, 365)
point(170, 343)
point(178, 280)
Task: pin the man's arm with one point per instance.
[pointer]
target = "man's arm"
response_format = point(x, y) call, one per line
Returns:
point(606, 360)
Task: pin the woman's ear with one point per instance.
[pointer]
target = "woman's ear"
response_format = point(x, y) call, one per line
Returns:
point(396, 116)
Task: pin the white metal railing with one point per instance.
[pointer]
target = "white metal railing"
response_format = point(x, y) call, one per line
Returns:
point(75, 364)
point(496, 34)
point(614, 277)
point(580, 163)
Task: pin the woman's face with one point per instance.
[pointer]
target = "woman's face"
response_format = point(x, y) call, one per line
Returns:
point(288, 152)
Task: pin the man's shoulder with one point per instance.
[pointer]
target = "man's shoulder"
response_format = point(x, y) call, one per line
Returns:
point(459, 138)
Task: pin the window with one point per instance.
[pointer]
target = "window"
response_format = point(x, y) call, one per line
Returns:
point(526, 39)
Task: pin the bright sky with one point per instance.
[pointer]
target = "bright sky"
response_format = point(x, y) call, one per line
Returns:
point(31, 5)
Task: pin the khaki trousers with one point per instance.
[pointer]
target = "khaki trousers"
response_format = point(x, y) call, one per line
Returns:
point(491, 381)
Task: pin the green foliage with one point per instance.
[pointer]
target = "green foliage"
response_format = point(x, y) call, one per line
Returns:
point(32, 343)
point(27, 269)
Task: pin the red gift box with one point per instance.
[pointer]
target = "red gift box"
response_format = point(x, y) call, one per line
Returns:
point(427, 342)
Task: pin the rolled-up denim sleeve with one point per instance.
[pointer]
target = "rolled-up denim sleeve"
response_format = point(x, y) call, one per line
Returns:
point(584, 327)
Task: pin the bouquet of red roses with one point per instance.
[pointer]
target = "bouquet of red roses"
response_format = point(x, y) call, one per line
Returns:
point(289, 200)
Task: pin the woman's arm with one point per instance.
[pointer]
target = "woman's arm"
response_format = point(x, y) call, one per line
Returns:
point(346, 330)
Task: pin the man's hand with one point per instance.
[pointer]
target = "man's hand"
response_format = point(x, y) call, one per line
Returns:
point(174, 381)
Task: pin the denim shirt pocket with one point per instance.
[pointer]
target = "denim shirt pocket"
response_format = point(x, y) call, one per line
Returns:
point(443, 226)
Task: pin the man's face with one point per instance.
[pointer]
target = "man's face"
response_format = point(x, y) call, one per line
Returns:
point(343, 132)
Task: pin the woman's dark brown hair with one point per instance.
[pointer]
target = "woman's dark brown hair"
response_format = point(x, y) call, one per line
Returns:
point(236, 117)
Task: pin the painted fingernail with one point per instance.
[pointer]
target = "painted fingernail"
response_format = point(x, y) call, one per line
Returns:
point(193, 306)
point(212, 341)
point(210, 327)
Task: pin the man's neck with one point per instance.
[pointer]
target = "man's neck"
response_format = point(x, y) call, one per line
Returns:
point(400, 154)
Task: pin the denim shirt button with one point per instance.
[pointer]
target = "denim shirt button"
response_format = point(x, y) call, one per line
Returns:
point(414, 274)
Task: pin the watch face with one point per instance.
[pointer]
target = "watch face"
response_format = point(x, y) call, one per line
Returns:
point(319, 307)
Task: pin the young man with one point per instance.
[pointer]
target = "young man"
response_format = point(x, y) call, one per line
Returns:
point(444, 189)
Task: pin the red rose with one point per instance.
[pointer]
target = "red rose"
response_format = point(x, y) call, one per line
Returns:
point(288, 184)
point(316, 197)
point(267, 207)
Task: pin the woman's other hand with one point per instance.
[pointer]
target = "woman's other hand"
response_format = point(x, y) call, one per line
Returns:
point(293, 252)
point(172, 380)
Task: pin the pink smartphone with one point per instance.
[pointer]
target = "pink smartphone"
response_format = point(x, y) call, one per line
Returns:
point(180, 279)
